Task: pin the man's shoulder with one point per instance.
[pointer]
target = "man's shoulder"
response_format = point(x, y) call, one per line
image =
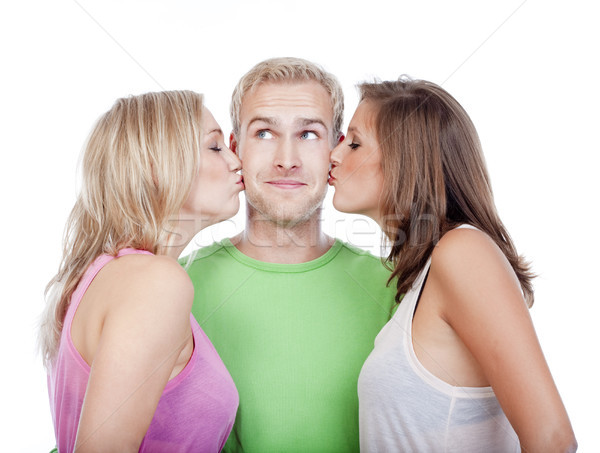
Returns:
point(203, 253)
point(356, 250)
point(353, 253)
point(365, 277)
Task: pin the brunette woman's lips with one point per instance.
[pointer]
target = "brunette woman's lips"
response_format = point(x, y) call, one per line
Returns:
point(331, 179)
point(286, 184)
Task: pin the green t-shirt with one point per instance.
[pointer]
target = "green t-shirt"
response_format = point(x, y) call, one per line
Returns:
point(294, 338)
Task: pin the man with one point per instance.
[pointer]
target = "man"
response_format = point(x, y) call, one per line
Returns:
point(292, 312)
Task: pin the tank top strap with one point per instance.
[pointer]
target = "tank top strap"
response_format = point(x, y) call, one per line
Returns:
point(418, 284)
point(468, 226)
point(420, 280)
point(404, 313)
point(88, 277)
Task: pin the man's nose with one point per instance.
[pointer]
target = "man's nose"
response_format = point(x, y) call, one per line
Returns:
point(287, 155)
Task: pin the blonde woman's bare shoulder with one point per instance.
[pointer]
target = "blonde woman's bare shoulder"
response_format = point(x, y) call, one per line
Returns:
point(150, 280)
point(133, 296)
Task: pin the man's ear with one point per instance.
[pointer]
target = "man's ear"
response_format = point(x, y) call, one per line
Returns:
point(233, 143)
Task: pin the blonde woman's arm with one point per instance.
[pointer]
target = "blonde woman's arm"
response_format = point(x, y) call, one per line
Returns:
point(143, 333)
point(484, 305)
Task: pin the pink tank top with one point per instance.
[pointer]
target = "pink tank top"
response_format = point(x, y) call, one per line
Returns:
point(195, 412)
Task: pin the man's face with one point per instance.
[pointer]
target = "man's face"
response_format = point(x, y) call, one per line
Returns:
point(286, 130)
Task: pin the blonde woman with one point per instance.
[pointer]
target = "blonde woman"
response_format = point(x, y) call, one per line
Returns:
point(458, 368)
point(129, 369)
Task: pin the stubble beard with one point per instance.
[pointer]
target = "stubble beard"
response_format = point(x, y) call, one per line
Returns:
point(285, 215)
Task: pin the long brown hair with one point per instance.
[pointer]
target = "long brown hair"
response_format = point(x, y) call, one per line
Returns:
point(138, 167)
point(435, 177)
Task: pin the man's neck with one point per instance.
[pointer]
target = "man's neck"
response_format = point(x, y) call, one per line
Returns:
point(271, 242)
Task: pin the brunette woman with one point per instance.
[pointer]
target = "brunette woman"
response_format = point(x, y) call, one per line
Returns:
point(459, 367)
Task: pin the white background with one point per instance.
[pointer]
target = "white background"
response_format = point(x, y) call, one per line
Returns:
point(527, 73)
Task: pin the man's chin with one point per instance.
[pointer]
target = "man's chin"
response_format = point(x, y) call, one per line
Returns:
point(281, 215)
point(287, 220)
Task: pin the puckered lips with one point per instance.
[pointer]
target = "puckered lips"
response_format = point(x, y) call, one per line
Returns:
point(332, 179)
point(241, 182)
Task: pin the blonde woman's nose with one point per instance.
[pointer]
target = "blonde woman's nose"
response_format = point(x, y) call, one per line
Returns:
point(234, 162)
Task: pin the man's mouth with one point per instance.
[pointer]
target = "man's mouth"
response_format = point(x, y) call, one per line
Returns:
point(286, 184)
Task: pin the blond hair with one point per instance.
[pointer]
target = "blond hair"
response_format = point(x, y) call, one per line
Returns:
point(435, 177)
point(137, 170)
point(288, 69)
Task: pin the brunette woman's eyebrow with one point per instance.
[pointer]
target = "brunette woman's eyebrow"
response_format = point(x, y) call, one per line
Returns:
point(353, 130)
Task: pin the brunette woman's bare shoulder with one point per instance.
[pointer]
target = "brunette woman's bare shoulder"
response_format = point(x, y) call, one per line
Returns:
point(463, 240)
point(470, 250)
point(468, 266)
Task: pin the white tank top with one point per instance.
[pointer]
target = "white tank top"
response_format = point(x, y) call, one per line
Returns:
point(405, 408)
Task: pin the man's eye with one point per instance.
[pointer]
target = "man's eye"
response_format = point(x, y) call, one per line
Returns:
point(309, 135)
point(265, 135)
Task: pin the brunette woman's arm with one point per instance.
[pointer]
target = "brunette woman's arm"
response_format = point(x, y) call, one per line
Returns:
point(483, 304)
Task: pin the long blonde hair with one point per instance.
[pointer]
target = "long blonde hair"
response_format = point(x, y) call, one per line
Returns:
point(137, 170)
point(435, 177)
